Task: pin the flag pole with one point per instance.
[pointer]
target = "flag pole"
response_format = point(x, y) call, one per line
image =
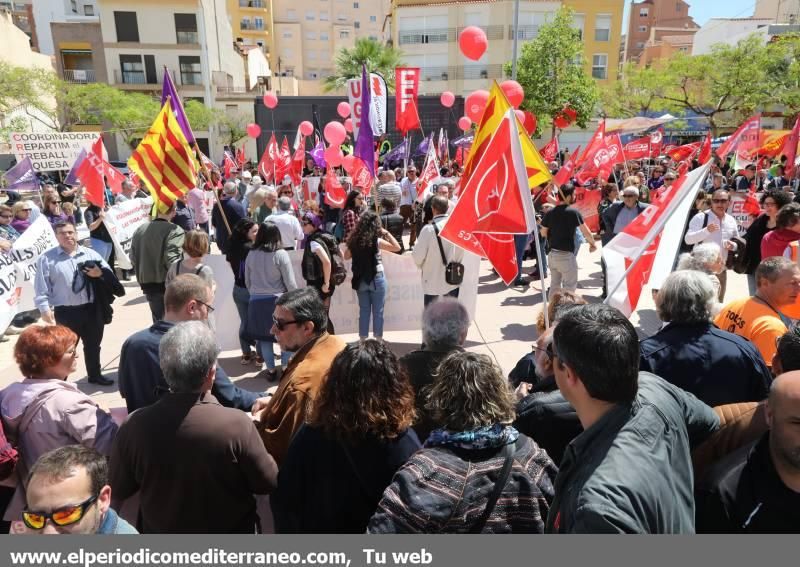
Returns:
point(540, 265)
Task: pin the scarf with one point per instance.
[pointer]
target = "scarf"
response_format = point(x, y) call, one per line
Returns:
point(496, 435)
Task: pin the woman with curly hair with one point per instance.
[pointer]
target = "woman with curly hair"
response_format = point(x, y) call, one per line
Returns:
point(357, 436)
point(364, 247)
point(476, 473)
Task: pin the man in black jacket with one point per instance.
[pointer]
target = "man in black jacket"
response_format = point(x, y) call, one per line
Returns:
point(757, 488)
point(141, 381)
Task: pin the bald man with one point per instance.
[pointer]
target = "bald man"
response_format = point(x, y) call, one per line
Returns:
point(757, 488)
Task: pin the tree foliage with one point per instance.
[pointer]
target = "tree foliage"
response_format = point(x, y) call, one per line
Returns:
point(379, 58)
point(551, 70)
point(233, 127)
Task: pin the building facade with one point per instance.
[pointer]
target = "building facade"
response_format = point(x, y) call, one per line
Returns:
point(650, 20)
point(251, 23)
point(21, 12)
point(778, 11)
point(725, 30)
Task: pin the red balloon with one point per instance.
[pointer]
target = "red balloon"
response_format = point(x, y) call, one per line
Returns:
point(270, 100)
point(343, 109)
point(514, 92)
point(571, 113)
point(475, 104)
point(253, 130)
point(335, 133)
point(464, 123)
point(333, 156)
point(306, 128)
point(447, 99)
point(560, 121)
point(472, 42)
point(530, 122)
point(348, 124)
point(348, 162)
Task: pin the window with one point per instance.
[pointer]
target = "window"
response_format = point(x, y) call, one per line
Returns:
point(88, 10)
point(357, 25)
point(602, 28)
point(191, 73)
point(643, 29)
point(344, 34)
point(73, 4)
point(639, 45)
point(291, 14)
point(287, 35)
point(127, 28)
point(186, 28)
point(323, 16)
point(373, 18)
point(600, 66)
point(311, 15)
point(312, 55)
point(245, 24)
point(374, 37)
point(259, 23)
point(323, 36)
point(679, 6)
point(644, 12)
point(578, 22)
point(355, 5)
point(311, 35)
point(132, 69)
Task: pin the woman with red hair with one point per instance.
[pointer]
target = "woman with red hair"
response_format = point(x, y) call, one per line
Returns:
point(44, 412)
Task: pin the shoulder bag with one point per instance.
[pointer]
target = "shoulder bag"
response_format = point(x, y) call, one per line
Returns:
point(453, 271)
point(499, 485)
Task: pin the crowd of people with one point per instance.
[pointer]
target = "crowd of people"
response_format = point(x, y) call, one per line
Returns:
point(594, 431)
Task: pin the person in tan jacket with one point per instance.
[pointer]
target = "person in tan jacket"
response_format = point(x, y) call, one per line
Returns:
point(299, 324)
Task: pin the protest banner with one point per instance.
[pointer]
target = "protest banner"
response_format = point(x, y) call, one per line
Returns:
point(122, 221)
point(738, 211)
point(51, 151)
point(378, 107)
point(404, 298)
point(18, 269)
point(586, 201)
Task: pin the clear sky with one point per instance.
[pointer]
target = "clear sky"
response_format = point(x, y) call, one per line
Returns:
point(703, 10)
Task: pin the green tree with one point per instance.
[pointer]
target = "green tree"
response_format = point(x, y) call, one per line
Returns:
point(551, 67)
point(233, 127)
point(637, 92)
point(379, 58)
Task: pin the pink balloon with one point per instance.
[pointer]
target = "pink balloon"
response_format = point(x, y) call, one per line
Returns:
point(335, 133)
point(348, 162)
point(464, 123)
point(473, 43)
point(306, 128)
point(270, 100)
point(520, 116)
point(514, 92)
point(343, 109)
point(253, 130)
point(475, 104)
point(333, 156)
point(447, 99)
point(348, 124)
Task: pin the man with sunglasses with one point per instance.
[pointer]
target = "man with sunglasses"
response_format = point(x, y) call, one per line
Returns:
point(715, 226)
point(299, 325)
point(68, 493)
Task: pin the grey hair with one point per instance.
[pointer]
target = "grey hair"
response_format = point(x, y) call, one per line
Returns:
point(186, 353)
point(686, 296)
point(284, 203)
point(700, 258)
point(772, 268)
point(127, 185)
point(229, 188)
point(445, 323)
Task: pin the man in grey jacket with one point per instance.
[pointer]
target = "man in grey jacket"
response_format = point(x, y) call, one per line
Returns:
point(630, 471)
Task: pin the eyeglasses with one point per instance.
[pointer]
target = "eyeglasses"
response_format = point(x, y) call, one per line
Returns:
point(548, 351)
point(209, 307)
point(64, 516)
point(281, 325)
point(719, 200)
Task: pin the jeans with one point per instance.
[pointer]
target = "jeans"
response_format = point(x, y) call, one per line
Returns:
point(563, 270)
point(268, 354)
point(102, 247)
point(241, 297)
point(156, 301)
point(371, 298)
point(429, 298)
point(520, 242)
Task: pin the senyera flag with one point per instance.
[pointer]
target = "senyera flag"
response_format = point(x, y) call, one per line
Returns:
point(495, 202)
point(655, 233)
point(744, 139)
point(407, 88)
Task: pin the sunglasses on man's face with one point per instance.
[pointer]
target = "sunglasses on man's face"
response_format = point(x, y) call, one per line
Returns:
point(64, 516)
point(281, 325)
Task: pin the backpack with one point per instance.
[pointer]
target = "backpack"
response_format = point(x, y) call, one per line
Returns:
point(338, 269)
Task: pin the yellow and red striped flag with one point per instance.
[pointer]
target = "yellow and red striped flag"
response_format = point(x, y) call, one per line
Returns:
point(164, 160)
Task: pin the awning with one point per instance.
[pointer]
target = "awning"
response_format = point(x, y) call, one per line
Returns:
point(637, 124)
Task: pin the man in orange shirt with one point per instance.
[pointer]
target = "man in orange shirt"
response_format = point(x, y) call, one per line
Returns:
point(759, 318)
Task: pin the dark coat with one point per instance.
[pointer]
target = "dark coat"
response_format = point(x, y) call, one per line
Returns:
point(393, 222)
point(610, 218)
point(716, 366)
point(234, 211)
point(319, 489)
point(755, 233)
point(142, 383)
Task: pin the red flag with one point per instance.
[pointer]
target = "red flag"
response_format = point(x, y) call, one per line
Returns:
point(297, 161)
point(114, 178)
point(744, 139)
point(683, 152)
point(240, 157)
point(91, 175)
point(283, 163)
point(751, 204)
point(597, 142)
point(598, 163)
point(266, 165)
point(615, 149)
point(705, 150)
point(790, 148)
point(133, 178)
point(460, 156)
point(683, 167)
point(429, 173)
point(565, 173)
point(228, 165)
point(656, 141)
point(335, 195)
point(362, 178)
point(638, 148)
point(99, 148)
point(406, 87)
point(550, 150)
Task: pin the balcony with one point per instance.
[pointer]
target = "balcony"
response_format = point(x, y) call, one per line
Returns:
point(251, 26)
point(524, 32)
point(136, 78)
point(79, 76)
point(443, 35)
point(259, 4)
point(187, 37)
point(465, 72)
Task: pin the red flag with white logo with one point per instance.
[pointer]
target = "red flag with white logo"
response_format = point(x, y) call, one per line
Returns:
point(565, 173)
point(656, 232)
point(335, 195)
point(597, 142)
point(362, 178)
point(406, 90)
point(91, 175)
point(429, 173)
point(790, 148)
point(744, 139)
point(283, 164)
point(638, 148)
point(656, 142)
point(550, 150)
point(266, 165)
point(114, 178)
point(600, 162)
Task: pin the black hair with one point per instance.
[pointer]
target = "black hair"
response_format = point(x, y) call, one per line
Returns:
point(350, 203)
point(567, 190)
point(268, 238)
point(600, 345)
point(781, 198)
point(305, 304)
point(440, 204)
point(789, 350)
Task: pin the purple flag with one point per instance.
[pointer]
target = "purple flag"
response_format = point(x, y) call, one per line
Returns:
point(422, 149)
point(465, 140)
point(22, 176)
point(72, 176)
point(365, 145)
point(318, 154)
point(396, 154)
point(168, 90)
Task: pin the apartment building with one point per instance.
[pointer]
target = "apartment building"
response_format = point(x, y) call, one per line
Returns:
point(427, 33)
point(251, 23)
point(652, 20)
point(21, 12)
point(778, 11)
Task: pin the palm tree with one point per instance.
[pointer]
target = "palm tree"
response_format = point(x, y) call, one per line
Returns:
point(379, 58)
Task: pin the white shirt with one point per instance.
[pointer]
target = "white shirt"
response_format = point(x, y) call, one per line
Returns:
point(408, 191)
point(290, 228)
point(727, 230)
point(428, 258)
